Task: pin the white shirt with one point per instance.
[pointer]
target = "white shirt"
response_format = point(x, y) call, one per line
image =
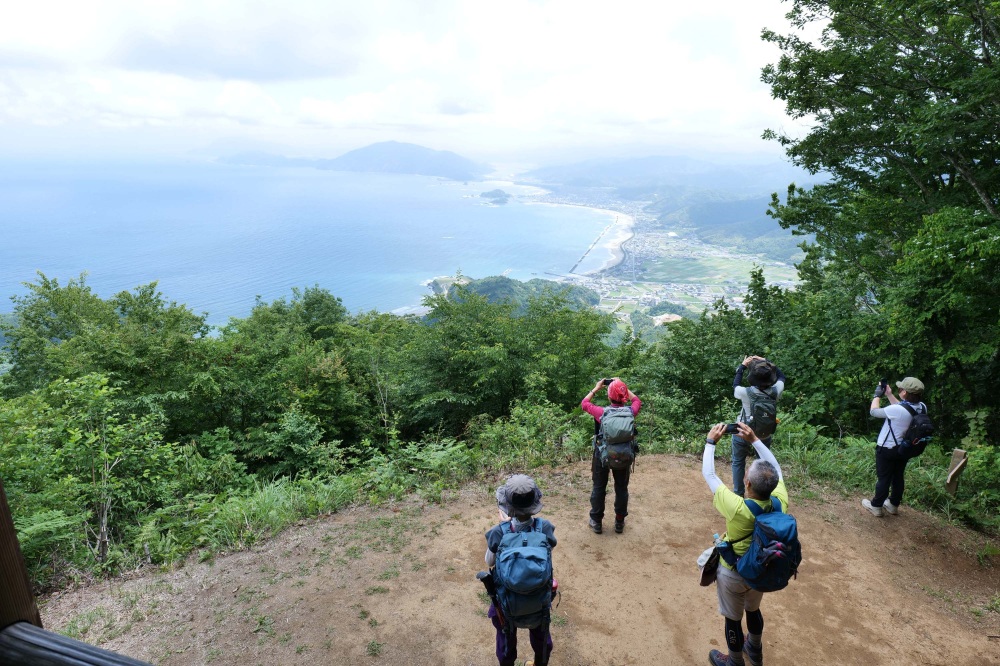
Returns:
point(897, 418)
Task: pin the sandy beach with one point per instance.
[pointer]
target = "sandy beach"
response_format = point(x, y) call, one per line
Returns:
point(606, 250)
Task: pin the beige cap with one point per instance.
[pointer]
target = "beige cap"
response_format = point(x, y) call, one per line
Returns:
point(910, 384)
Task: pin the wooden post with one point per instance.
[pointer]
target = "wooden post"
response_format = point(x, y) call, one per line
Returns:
point(23, 642)
point(959, 459)
point(17, 603)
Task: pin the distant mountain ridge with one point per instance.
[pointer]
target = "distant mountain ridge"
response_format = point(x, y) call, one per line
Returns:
point(661, 171)
point(384, 157)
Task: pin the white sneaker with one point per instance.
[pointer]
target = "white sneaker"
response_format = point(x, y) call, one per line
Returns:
point(892, 509)
point(875, 510)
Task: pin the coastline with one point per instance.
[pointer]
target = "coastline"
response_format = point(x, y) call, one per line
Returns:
point(605, 252)
point(611, 239)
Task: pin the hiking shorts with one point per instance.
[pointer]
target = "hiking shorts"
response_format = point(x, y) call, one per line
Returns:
point(735, 596)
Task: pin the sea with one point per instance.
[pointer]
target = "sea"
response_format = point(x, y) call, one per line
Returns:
point(215, 237)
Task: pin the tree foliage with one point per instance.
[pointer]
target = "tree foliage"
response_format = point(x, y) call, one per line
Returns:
point(901, 97)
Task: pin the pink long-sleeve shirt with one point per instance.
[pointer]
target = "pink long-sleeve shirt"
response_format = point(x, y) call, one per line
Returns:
point(597, 411)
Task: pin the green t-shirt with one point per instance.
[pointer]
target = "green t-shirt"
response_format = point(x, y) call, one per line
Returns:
point(739, 520)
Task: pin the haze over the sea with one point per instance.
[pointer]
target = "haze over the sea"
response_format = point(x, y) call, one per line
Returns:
point(216, 236)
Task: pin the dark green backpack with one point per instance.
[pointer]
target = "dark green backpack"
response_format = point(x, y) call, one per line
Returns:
point(763, 416)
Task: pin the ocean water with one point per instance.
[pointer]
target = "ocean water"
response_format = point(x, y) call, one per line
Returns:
point(216, 236)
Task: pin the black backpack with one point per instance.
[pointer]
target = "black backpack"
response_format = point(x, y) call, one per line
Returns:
point(917, 435)
point(763, 416)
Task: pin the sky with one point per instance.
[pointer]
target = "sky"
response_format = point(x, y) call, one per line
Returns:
point(520, 81)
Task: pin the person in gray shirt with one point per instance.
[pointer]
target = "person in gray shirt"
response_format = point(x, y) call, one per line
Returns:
point(763, 377)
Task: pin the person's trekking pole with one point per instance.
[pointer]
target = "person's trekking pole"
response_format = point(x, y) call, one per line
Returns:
point(491, 589)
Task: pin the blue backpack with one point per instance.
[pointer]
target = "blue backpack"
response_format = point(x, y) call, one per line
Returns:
point(774, 554)
point(523, 577)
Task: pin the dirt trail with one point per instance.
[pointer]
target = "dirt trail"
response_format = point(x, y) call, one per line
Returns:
point(395, 585)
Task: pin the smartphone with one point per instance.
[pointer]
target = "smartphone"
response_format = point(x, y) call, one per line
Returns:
point(732, 429)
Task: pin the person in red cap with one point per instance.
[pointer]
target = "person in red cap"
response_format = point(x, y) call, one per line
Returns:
point(619, 395)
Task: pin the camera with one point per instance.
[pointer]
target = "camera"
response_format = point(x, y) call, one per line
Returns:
point(606, 381)
point(732, 429)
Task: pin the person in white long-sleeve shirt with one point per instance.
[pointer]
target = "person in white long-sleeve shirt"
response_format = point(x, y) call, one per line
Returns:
point(762, 481)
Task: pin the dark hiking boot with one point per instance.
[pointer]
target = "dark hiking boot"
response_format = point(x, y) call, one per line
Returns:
point(595, 525)
point(619, 524)
point(754, 656)
point(716, 658)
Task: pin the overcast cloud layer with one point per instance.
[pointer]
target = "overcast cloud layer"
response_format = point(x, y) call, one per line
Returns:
point(518, 81)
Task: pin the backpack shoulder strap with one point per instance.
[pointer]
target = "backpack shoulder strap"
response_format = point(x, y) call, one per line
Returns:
point(905, 405)
point(756, 510)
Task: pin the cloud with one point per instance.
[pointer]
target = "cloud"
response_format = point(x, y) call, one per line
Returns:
point(14, 59)
point(330, 76)
point(458, 107)
point(281, 52)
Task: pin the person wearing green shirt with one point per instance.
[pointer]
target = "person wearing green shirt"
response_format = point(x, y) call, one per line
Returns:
point(762, 481)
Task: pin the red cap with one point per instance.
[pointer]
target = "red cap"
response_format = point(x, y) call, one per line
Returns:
point(617, 391)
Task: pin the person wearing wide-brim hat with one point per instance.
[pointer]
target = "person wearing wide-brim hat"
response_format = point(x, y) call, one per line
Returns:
point(890, 469)
point(518, 500)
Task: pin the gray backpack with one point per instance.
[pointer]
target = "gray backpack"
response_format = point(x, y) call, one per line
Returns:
point(616, 440)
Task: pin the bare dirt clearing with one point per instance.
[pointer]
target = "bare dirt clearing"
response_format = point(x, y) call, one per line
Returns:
point(395, 585)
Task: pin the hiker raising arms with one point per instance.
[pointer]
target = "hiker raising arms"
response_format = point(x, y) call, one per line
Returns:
point(889, 467)
point(614, 449)
point(762, 482)
point(759, 405)
point(519, 554)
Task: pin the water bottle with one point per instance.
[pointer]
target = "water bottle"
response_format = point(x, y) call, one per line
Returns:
point(719, 541)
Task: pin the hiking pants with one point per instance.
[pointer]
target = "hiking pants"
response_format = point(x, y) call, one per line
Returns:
point(599, 473)
point(889, 469)
point(539, 637)
point(740, 451)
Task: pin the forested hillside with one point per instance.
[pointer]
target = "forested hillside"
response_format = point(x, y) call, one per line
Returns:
point(129, 433)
